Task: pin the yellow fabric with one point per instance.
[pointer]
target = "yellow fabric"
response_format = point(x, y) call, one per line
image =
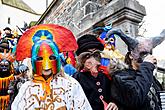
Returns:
point(4, 82)
point(43, 38)
point(112, 54)
point(4, 100)
point(68, 60)
point(45, 84)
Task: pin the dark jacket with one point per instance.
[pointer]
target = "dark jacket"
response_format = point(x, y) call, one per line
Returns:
point(94, 88)
point(136, 90)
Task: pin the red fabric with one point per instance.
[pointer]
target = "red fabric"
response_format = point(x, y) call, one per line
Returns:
point(104, 71)
point(70, 55)
point(63, 37)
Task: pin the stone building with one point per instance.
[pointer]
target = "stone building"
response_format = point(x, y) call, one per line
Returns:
point(81, 15)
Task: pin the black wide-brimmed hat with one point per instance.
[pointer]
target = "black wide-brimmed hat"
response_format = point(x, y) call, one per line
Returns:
point(88, 41)
point(7, 28)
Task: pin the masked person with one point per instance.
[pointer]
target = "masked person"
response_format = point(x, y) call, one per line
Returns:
point(6, 76)
point(20, 77)
point(50, 88)
point(7, 33)
point(135, 87)
point(95, 84)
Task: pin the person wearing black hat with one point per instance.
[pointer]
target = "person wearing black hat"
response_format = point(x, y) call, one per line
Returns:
point(135, 88)
point(8, 41)
point(4, 43)
point(8, 33)
point(95, 84)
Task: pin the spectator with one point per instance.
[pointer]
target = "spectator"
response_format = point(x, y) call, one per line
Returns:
point(7, 40)
point(7, 33)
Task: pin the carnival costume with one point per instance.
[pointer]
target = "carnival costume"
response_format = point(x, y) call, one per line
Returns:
point(110, 51)
point(6, 75)
point(137, 89)
point(8, 41)
point(59, 91)
point(20, 78)
point(96, 88)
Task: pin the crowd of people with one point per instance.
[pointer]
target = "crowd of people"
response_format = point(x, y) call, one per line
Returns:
point(92, 76)
point(8, 40)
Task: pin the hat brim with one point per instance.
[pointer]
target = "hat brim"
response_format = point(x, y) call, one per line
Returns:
point(7, 29)
point(89, 45)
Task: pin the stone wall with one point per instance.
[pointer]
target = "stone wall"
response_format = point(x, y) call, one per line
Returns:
point(80, 15)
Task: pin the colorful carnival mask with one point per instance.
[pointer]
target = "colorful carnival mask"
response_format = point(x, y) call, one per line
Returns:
point(4, 65)
point(110, 42)
point(45, 56)
point(45, 38)
point(45, 53)
point(6, 68)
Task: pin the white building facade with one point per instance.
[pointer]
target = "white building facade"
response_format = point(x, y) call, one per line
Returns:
point(12, 15)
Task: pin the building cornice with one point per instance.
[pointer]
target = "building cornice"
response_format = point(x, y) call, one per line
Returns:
point(46, 11)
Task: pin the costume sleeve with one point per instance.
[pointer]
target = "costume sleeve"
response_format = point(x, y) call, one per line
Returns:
point(80, 100)
point(19, 102)
point(130, 88)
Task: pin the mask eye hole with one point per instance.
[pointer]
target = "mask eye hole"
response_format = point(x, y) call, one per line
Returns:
point(111, 40)
point(106, 39)
point(87, 56)
point(39, 58)
point(52, 57)
point(6, 63)
point(143, 54)
point(97, 55)
point(2, 63)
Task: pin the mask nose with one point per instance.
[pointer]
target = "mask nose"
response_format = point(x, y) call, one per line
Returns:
point(46, 65)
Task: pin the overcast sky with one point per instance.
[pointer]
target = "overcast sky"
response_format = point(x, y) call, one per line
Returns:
point(155, 22)
point(38, 5)
point(155, 18)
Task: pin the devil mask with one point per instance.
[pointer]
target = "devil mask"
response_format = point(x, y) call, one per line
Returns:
point(141, 46)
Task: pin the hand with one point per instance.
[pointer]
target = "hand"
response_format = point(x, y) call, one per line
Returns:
point(111, 106)
point(151, 59)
